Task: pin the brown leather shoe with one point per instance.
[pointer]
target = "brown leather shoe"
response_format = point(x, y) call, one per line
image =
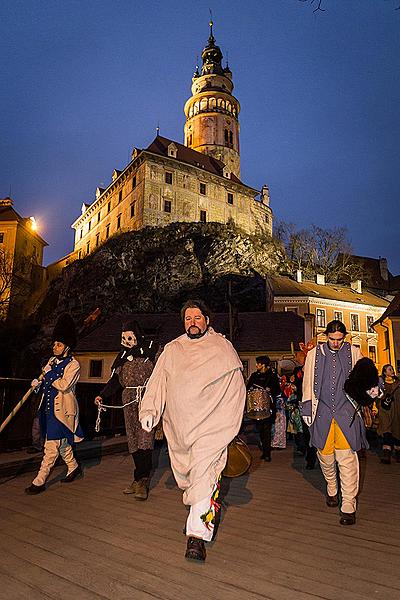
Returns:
point(131, 488)
point(142, 489)
point(347, 518)
point(332, 501)
point(195, 549)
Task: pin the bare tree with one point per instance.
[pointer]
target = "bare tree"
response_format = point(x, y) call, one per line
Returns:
point(14, 282)
point(318, 250)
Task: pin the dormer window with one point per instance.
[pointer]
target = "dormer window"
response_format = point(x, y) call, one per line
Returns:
point(172, 150)
point(227, 173)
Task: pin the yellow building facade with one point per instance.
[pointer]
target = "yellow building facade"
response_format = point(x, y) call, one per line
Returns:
point(320, 302)
point(198, 181)
point(21, 257)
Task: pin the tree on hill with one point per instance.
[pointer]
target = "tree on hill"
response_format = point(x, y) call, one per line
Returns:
point(318, 250)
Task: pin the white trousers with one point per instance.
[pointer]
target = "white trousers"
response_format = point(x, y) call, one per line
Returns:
point(194, 525)
point(347, 462)
point(52, 449)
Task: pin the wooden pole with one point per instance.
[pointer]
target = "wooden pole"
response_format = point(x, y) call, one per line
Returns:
point(16, 409)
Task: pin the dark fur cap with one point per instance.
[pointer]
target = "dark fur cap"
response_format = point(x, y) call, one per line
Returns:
point(363, 377)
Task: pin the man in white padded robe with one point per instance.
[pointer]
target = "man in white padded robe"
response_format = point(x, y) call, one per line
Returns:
point(197, 387)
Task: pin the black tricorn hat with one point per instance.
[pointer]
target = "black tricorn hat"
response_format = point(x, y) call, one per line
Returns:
point(363, 377)
point(64, 331)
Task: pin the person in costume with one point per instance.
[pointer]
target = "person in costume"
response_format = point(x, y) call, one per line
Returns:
point(58, 410)
point(264, 377)
point(197, 387)
point(329, 413)
point(129, 373)
point(389, 415)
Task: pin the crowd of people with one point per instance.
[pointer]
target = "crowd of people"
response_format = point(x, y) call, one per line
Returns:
point(195, 385)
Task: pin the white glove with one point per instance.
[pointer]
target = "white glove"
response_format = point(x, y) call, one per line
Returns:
point(373, 392)
point(46, 369)
point(147, 423)
point(35, 383)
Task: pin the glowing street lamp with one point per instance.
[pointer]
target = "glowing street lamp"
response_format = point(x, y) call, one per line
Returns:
point(33, 223)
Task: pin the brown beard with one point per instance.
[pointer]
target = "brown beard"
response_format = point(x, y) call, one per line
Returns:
point(195, 336)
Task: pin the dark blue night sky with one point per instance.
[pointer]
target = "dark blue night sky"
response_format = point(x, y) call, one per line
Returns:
point(83, 82)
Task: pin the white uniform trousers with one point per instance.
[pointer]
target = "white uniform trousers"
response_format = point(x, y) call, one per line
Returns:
point(52, 449)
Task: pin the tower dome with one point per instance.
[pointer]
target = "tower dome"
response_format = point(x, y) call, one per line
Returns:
point(212, 125)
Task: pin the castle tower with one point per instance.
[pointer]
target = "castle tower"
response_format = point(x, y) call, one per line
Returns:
point(212, 125)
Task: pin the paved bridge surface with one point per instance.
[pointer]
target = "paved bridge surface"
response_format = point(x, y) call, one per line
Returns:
point(277, 541)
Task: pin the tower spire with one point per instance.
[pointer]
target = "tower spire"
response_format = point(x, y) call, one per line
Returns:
point(211, 39)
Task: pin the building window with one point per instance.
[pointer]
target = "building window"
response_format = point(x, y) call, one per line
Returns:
point(81, 234)
point(372, 353)
point(119, 221)
point(370, 323)
point(267, 218)
point(167, 206)
point(95, 368)
point(80, 254)
point(108, 231)
point(230, 198)
point(321, 317)
point(89, 225)
point(203, 189)
point(97, 239)
point(168, 177)
point(134, 182)
point(386, 338)
point(88, 248)
point(119, 196)
point(354, 322)
point(98, 216)
point(109, 207)
point(294, 309)
point(132, 210)
point(338, 315)
point(1, 237)
point(203, 216)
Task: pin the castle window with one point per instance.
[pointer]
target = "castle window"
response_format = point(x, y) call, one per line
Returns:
point(267, 218)
point(134, 182)
point(226, 132)
point(231, 138)
point(81, 234)
point(89, 225)
point(230, 198)
point(203, 216)
point(132, 210)
point(203, 189)
point(119, 221)
point(88, 248)
point(95, 368)
point(1, 237)
point(109, 207)
point(167, 206)
point(80, 254)
point(98, 216)
point(108, 231)
point(338, 315)
point(119, 195)
point(97, 239)
point(168, 177)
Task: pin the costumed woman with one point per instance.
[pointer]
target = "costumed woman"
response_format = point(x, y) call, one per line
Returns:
point(389, 415)
point(58, 410)
point(129, 373)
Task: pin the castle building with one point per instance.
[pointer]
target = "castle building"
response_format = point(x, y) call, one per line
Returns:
point(195, 181)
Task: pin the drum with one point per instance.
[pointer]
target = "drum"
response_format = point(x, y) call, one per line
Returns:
point(259, 402)
point(239, 459)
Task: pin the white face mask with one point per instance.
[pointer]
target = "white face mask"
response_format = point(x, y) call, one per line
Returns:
point(128, 339)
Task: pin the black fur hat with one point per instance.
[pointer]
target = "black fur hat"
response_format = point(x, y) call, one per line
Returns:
point(64, 331)
point(363, 377)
